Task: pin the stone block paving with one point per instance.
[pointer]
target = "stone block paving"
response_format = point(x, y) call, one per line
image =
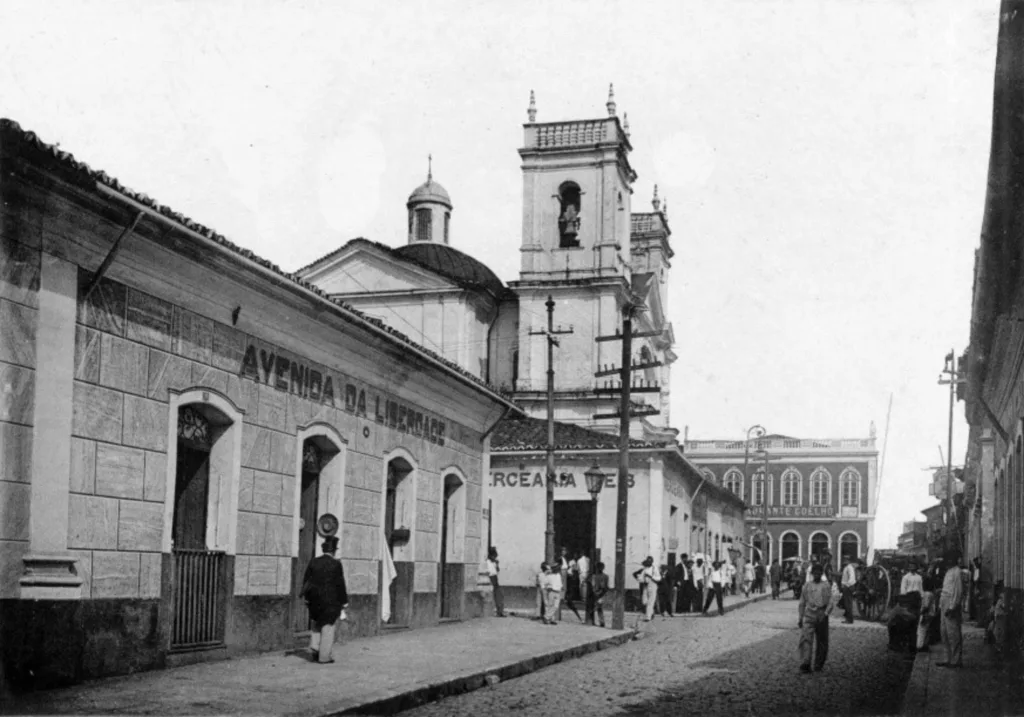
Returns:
point(984, 686)
point(744, 663)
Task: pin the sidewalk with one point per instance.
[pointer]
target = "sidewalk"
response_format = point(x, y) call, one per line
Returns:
point(375, 675)
point(984, 686)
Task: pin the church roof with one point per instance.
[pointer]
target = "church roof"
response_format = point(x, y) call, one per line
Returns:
point(430, 191)
point(14, 139)
point(453, 264)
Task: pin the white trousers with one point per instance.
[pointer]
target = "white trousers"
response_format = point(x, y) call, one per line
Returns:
point(321, 640)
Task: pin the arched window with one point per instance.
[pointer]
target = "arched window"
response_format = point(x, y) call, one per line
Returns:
point(849, 487)
point(423, 221)
point(819, 544)
point(849, 546)
point(821, 487)
point(709, 475)
point(790, 545)
point(734, 481)
point(569, 215)
point(757, 488)
point(791, 487)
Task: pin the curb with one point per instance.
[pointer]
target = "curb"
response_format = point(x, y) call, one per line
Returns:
point(388, 702)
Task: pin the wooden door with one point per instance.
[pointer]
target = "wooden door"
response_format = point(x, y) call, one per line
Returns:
point(442, 575)
point(307, 544)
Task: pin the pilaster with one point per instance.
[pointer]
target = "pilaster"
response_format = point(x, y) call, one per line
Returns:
point(49, 569)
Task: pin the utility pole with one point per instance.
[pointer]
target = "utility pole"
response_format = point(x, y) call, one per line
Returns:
point(953, 381)
point(625, 413)
point(551, 334)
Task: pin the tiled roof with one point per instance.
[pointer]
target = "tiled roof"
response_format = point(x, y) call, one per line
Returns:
point(80, 174)
point(528, 434)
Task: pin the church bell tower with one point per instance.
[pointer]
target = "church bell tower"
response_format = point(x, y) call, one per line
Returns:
point(576, 197)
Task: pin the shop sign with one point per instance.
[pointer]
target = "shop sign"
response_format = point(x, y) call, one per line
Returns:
point(793, 511)
point(535, 479)
point(317, 384)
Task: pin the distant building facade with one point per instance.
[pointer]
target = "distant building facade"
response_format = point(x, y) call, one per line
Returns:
point(819, 493)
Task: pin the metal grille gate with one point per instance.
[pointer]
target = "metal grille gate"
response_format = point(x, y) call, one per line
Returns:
point(198, 602)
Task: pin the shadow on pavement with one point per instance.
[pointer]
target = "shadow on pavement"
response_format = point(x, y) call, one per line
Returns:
point(861, 677)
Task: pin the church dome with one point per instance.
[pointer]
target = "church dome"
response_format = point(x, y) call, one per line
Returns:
point(429, 191)
point(452, 264)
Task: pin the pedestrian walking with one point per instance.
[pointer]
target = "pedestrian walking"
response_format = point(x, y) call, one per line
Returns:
point(817, 601)
point(323, 589)
point(678, 574)
point(648, 579)
point(599, 588)
point(951, 607)
point(699, 581)
point(912, 581)
point(759, 575)
point(492, 574)
point(730, 576)
point(846, 585)
point(748, 578)
point(775, 575)
point(715, 589)
point(541, 581)
point(689, 588)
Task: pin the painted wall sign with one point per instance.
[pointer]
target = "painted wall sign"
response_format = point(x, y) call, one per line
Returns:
point(531, 479)
point(289, 375)
point(793, 511)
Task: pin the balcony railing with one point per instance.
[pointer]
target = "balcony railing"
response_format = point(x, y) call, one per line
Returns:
point(783, 444)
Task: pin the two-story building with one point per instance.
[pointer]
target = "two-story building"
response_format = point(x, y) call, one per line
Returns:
point(818, 493)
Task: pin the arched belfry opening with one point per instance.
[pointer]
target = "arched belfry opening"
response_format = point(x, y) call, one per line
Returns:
point(569, 217)
point(399, 527)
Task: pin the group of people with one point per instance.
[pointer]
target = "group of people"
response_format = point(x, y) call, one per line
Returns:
point(694, 583)
point(568, 579)
point(929, 608)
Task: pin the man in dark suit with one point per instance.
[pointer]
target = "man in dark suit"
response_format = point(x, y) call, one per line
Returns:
point(323, 587)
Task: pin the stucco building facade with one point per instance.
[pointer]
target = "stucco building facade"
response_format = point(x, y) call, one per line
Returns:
point(176, 414)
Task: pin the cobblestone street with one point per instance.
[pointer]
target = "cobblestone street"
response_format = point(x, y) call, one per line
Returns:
point(743, 663)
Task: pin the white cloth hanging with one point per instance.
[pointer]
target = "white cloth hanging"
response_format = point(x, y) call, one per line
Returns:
point(388, 574)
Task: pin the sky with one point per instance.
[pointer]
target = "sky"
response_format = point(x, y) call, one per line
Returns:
point(824, 165)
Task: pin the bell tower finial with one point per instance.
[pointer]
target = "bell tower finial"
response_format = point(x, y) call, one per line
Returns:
point(664, 208)
point(430, 167)
point(611, 100)
point(531, 111)
point(625, 124)
point(655, 202)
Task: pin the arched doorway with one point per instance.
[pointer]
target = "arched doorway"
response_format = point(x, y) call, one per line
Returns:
point(399, 517)
point(320, 468)
point(819, 544)
point(450, 570)
point(849, 546)
point(199, 579)
point(790, 545)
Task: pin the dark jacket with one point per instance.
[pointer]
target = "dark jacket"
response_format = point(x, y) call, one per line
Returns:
point(323, 587)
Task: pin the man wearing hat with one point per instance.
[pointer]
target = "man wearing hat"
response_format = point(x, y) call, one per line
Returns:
point(816, 603)
point(323, 588)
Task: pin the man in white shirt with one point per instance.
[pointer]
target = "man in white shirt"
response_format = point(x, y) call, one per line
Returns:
point(912, 582)
point(715, 591)
point(583, 569)
point(951, 609)
point(846, 585)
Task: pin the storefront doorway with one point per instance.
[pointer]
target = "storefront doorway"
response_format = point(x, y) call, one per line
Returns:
point(399, 508)
point(199, 573)
point(309, 491)
point(450, 570)
point(573, 521)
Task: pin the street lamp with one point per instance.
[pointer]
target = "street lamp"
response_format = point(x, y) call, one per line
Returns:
point(595, 482)
point(757, 431)
point(763, 455)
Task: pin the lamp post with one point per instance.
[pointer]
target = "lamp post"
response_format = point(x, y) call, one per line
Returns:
point(757, 431)
point(595, 482)
point(763, 454)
